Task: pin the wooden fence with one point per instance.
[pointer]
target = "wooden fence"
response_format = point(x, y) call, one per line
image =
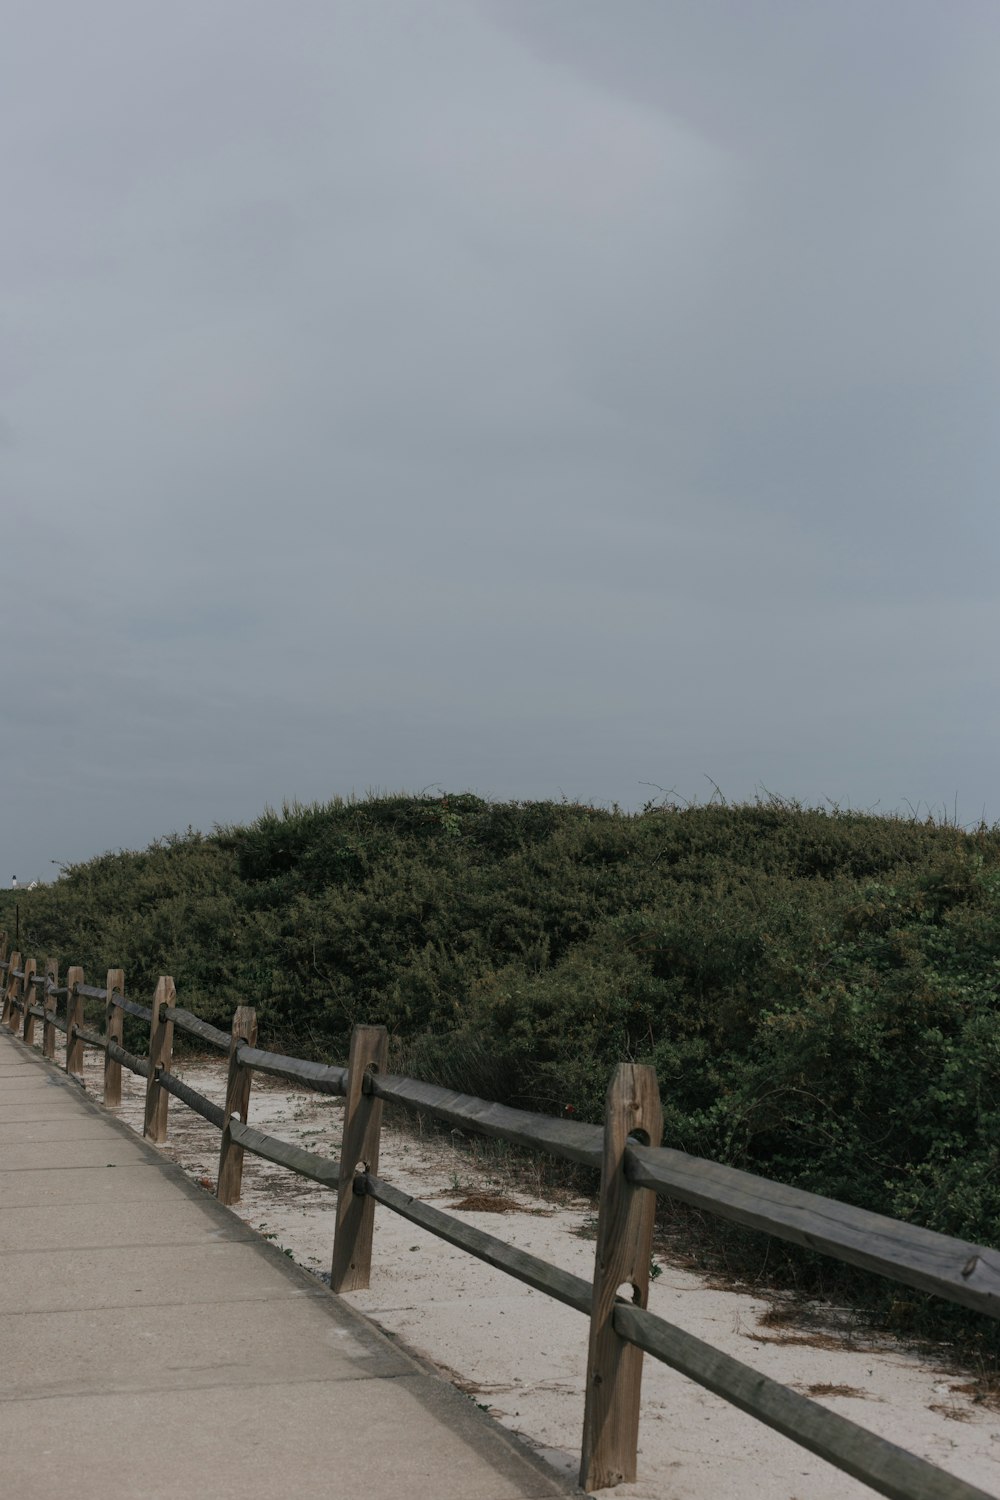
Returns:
point(634, 1167)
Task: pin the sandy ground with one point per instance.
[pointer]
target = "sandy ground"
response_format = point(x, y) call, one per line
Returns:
point(524, 1356)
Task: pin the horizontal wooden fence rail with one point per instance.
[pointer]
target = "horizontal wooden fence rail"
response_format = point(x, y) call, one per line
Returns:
point(312, 1075)
point(962, 1272)
point(634, 1169)
point(130, 1008)
point(570, 1140)
point(307, 1163)
point(562, 1285)
point(853, 1449)
point(128, 1060)
point(213, 1113)
point(194, 1026)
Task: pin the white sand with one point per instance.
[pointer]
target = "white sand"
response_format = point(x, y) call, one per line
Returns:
point(524, 1356)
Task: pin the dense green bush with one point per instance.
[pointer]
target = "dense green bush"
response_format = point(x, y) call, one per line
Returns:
point(816, 988)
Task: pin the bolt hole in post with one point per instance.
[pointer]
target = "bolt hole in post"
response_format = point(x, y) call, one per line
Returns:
point(350, 1270)
point(621, 1269)
point(229, 1181)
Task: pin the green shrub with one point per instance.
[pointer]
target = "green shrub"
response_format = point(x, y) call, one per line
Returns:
point(817, 989)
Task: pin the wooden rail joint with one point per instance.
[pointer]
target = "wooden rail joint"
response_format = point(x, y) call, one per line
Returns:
point(114, 1031)
point(161, 1045)
point(10, 990)
point(624, 1246)
point(355, 1222)
point(229, 1183)
point(74, 1018)
point(49, 1002)
point(27, 1001)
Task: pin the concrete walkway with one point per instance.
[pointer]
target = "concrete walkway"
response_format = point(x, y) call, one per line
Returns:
point(152, 1345)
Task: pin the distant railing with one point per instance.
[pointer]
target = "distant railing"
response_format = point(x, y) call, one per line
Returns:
point(633, 1166)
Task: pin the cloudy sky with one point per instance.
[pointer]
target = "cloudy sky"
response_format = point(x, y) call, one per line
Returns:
point(537, 397)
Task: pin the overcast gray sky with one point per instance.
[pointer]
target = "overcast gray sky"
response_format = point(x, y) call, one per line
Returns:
point(534, 397)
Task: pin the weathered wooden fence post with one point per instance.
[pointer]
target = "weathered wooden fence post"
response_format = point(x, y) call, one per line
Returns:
point(74, 1018)
point(50, 1002)
point(161, 1046)
point(624, 1246)
point(9, 990)
point(16, 1000)
point(230, 1180)
point(28, 994)
point(114, 1024)
point(355, 1223)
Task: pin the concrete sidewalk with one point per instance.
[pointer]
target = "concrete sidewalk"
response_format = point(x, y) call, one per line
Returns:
point(151, 1345)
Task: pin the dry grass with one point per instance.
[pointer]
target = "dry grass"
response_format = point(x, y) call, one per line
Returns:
point(495, 1203)
point(804, 1321)
point(825, 1388)
point(781, 1314)
point(815, 1340)
point(953, 1412)
point(982, 1391)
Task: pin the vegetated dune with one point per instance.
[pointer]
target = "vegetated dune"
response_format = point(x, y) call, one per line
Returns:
point(816, 988)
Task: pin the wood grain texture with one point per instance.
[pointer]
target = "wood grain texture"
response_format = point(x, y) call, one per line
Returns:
point(28, 1020)
point(199, 1028)
point(318, 1076)
point(878, 1463)
point(50, 1002)
point(114, 1025)
point(213, 1113)
point(139, 1065)
point(956, 1269)
point(91, 1038)
point(230, 1179)
point(132, 1008)
point(161, 1046)
point(321, 1169)
point(74, 1018)
point(624, 1246)
point(562, 1285)
point(355, 1223)
point(90, 992)
point(10, 986)
point(568, 1139)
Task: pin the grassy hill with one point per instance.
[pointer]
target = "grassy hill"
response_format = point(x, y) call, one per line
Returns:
point(818, 990)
